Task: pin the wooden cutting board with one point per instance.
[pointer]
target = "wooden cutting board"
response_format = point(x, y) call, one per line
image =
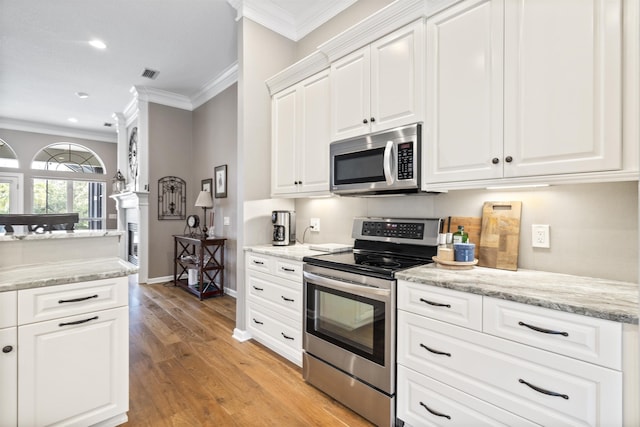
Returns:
point(500, 235)
point(472, 225)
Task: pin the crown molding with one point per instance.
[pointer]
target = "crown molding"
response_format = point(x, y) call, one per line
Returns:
point(159, 96)
point(302, 69)
point(271, 16)
point(51, 129)
point(227, 78)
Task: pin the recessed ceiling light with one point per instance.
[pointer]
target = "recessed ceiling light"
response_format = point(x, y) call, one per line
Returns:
point(82, 95)
point(98, 44)
point(73, 120)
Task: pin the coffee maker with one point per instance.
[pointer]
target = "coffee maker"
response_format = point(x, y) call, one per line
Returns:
point(284, 228)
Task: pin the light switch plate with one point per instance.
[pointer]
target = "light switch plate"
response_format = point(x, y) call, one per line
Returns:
point(226, 221)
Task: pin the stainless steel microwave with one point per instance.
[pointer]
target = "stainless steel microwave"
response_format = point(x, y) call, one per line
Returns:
point(387, 162)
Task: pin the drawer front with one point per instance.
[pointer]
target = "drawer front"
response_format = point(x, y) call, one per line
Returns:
point(424, 401)
point(586, 338)
point(459, 308)
point(507, 374)
point(284, 296)
point(38, 304)
point(291, 270)
point(8, 309)
point(284, 331)
point(260, 263)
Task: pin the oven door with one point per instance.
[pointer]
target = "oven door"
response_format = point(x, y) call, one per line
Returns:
point(349, 324)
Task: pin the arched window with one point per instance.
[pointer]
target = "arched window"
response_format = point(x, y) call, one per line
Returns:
point(82, 195)
point(68, 157)
point(8, 158)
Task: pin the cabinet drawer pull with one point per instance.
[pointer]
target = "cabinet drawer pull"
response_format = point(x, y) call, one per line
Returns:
point(290, 270)
point(287, 299)
point(62, 301)
point(543, 391)
point(258, 322)
point(437, 414)
point(7, 349)
point(544, 331)
point(436, 304)
point(287, 337)
point(258, 262)
point(78, 322)
point(435, 351)
point(258, 289)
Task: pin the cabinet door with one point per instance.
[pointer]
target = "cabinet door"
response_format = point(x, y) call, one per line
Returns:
point(315, 117)
point(397, 78)
point(463, 130)
point(283, 142)
point(350, 95)
point(74, 369)
point(562, 86)
point(8, 377)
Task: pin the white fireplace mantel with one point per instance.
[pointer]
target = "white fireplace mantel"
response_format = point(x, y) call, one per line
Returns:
point(133, 207)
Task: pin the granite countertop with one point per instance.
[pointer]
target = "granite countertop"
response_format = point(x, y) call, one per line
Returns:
point(58, 273)
point(293, 252)
point(59, 234)
point(604, 299)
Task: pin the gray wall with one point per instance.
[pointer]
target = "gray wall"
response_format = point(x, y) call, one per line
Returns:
point(215, 143)
point(170, 154)
point(593, 227)
point(27, 144)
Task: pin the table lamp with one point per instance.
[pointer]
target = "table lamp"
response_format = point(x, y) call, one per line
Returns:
point(204, 201)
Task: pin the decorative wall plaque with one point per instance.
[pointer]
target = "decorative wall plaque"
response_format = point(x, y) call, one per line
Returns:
point(172, 198)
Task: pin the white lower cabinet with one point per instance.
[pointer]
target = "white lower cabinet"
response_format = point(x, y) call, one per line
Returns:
point(523, 376)
point(72, 356)
point(8, 359)
point(274, 304)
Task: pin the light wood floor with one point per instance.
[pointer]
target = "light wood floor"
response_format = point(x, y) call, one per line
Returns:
point(187, 370)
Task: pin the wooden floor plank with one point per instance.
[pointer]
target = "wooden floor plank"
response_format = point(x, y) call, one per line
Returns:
point(186, 369)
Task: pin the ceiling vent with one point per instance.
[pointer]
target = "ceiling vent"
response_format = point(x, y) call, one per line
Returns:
point(107, 124)
point(150, 74)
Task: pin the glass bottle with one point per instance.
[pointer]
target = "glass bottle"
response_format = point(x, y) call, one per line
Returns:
point(460, 236)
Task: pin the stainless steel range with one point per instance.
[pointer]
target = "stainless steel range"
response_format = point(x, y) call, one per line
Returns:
point(350, 318)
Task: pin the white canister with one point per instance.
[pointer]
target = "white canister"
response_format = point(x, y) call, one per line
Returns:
point(193, 277)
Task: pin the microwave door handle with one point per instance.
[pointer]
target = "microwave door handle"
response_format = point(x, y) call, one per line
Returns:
point(387, 166)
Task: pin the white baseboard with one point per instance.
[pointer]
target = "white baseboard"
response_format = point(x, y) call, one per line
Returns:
point(240, 335)
point(156, 280)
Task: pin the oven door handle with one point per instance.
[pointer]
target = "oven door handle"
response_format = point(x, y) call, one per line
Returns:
point(388, 166)
point(339, 285)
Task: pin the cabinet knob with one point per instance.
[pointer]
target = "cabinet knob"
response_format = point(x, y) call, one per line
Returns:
point(295, 182)
point(7, 349)
point(373, 119)
point(365, 121)
point(495, 160)
point(508, 159)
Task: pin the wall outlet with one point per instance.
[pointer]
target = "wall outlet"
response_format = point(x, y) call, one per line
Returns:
point(314, 223)
point(540, 236)
point(226, 220)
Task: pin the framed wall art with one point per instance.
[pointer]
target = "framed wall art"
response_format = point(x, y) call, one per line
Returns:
point(207, 185)
point(221, 181)
point(172, 198)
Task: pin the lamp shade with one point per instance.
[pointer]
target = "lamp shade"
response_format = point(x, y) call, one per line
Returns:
point(204, 200)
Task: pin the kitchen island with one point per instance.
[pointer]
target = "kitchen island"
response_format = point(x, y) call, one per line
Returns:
point(64, 328)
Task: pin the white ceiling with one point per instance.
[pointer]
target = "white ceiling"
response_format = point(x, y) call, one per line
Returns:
point(45, 57)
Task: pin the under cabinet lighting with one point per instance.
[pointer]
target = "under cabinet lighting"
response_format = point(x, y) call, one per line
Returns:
point(82, 95)
point(516, 187)
point(98, 44)
point(73, 120)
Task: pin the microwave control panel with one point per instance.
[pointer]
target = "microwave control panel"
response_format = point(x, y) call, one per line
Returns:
point(405, 160)
point(403, 230)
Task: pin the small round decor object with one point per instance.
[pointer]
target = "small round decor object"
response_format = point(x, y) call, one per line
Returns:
point(193, 221)
point(7, 349)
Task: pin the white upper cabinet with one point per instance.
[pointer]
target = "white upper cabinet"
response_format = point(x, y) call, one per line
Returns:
point(522, 88)
point(379, 86)
point(300, 138)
